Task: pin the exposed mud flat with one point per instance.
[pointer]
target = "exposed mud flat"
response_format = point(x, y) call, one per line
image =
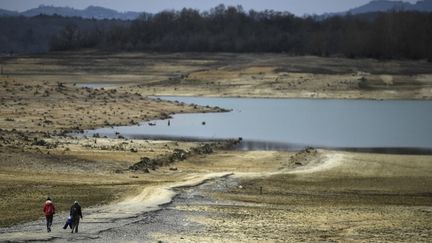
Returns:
point(332, 196)
point(103, 218)
point(313, 195)
point(37, 159)
point(230, 75)
point(31, 106)
point(94, 171)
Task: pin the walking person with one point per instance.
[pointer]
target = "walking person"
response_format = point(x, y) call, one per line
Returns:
point(76, 215)
point(49, 211)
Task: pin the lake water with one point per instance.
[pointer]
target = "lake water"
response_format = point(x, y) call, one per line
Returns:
point(295, 123)
point(96, 85)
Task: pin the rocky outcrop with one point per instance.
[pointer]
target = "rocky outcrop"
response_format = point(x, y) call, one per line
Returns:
point(146, 164)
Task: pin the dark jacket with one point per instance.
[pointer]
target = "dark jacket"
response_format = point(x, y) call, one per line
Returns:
point(75, 211)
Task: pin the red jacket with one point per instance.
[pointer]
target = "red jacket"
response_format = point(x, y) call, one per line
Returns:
point(48, 208)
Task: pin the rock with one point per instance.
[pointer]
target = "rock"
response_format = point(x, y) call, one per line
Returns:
point(40, 143)
point(164, 116)
point(179, 154)
point(144, 165)
point(205, 149)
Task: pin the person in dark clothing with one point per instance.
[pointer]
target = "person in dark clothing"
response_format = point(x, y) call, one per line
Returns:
point(76, 215)
point(49, 211)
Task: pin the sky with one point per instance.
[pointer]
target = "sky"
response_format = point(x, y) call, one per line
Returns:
point(298, 7)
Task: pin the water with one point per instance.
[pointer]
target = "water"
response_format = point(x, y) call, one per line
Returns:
point(96, 85)
point(275, 123)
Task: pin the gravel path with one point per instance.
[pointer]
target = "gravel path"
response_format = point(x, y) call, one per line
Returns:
point(129, 220)
point(171, 220)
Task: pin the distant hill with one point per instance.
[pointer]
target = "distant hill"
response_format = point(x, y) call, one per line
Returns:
point(88, 13)
point(106, 13)
point(386, 5)
point(4, 12)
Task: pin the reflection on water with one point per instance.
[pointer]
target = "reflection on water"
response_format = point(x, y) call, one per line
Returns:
point(298, 123)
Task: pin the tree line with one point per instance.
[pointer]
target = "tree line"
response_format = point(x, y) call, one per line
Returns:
point(397, 34)
point(19, 34)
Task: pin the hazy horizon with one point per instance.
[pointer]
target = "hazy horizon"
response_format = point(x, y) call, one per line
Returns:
point(298, 7)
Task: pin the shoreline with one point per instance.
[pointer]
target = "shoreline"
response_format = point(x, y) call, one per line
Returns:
point(40, 104)
point(291, 97)
point(253, 145)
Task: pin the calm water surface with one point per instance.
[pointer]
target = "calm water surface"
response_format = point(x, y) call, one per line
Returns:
point(298, 122)
point(96, 85)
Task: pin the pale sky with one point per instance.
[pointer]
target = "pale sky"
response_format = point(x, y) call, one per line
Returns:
point(298, 7)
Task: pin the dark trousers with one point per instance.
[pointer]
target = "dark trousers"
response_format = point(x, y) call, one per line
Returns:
point(49, 220)
point(75, 223)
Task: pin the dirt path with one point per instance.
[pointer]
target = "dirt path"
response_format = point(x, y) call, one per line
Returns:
point(332, 196)
point(298, 204)
point(138, 208)
point(312, 195)
point(104, 218)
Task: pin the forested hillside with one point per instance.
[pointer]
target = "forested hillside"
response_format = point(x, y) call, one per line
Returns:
point(397, 34)
point(36, 34)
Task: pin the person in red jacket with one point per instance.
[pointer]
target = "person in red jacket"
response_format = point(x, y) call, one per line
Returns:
point(49, 211)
